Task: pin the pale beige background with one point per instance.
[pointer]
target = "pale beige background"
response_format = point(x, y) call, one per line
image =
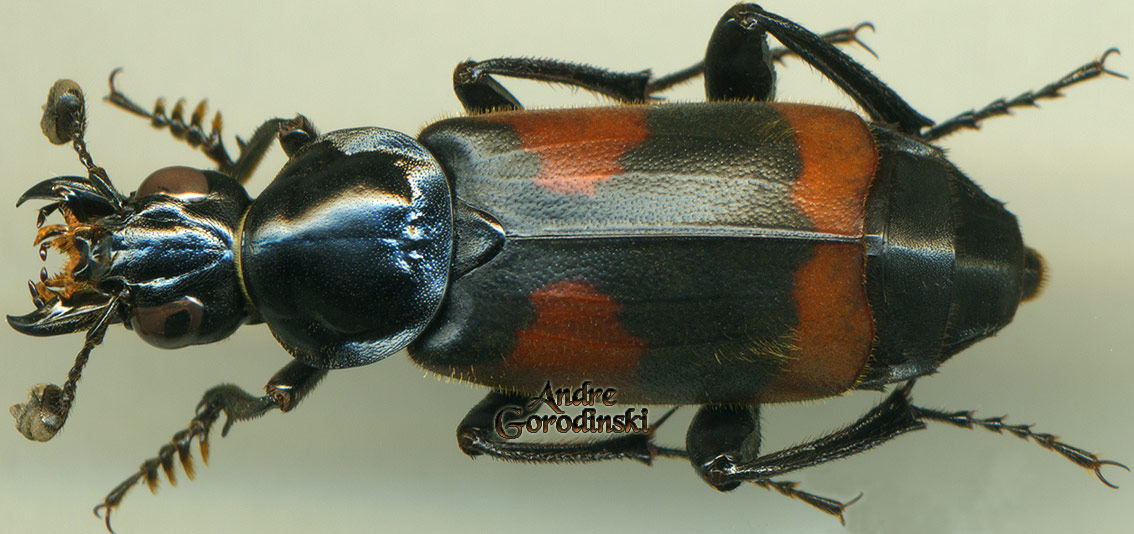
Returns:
point(374, 447)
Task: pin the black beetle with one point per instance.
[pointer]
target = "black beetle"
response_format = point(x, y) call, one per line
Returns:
point(190, 322)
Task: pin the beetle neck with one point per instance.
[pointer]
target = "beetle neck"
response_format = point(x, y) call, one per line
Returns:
point(238, 256)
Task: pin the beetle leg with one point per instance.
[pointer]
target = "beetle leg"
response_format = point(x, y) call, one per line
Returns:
point(738, 64)
point(292, 134)
point(965, 419)
point(479, 92)
point(971, 118)
point(841, 36)
point(477, 435)
point(285, 389)
point(879, 102)
point(730, 466)
point(732, 434)
point(719, 431)
point(193, 133)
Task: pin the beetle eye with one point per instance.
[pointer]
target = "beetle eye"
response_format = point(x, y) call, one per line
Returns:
point(171, 325)
point(174, 181)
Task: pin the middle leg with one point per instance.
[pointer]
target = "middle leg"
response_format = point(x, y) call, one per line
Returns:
point(738, 64)
point(478, 435)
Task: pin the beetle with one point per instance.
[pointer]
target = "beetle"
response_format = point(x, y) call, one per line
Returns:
point(94, 199)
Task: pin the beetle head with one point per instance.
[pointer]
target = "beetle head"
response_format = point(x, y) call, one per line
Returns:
point(161, 260)
point(173, 255)
point(166, 251)
point(164, 256)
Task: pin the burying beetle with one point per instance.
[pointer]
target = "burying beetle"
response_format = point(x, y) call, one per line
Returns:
point(610, 244)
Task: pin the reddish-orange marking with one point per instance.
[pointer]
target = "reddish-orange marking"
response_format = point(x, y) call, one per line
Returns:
point(835, 331)
point(839, 158)
point(576, 335)
point(578, 148)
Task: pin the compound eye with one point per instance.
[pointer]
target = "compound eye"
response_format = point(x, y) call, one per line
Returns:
point(174, 181)
point(171, 325)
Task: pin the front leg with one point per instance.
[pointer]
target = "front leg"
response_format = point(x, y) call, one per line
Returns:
point(292, 133)
point(284, 391)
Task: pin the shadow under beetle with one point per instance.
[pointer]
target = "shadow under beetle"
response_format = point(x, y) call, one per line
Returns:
point(724, 254)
